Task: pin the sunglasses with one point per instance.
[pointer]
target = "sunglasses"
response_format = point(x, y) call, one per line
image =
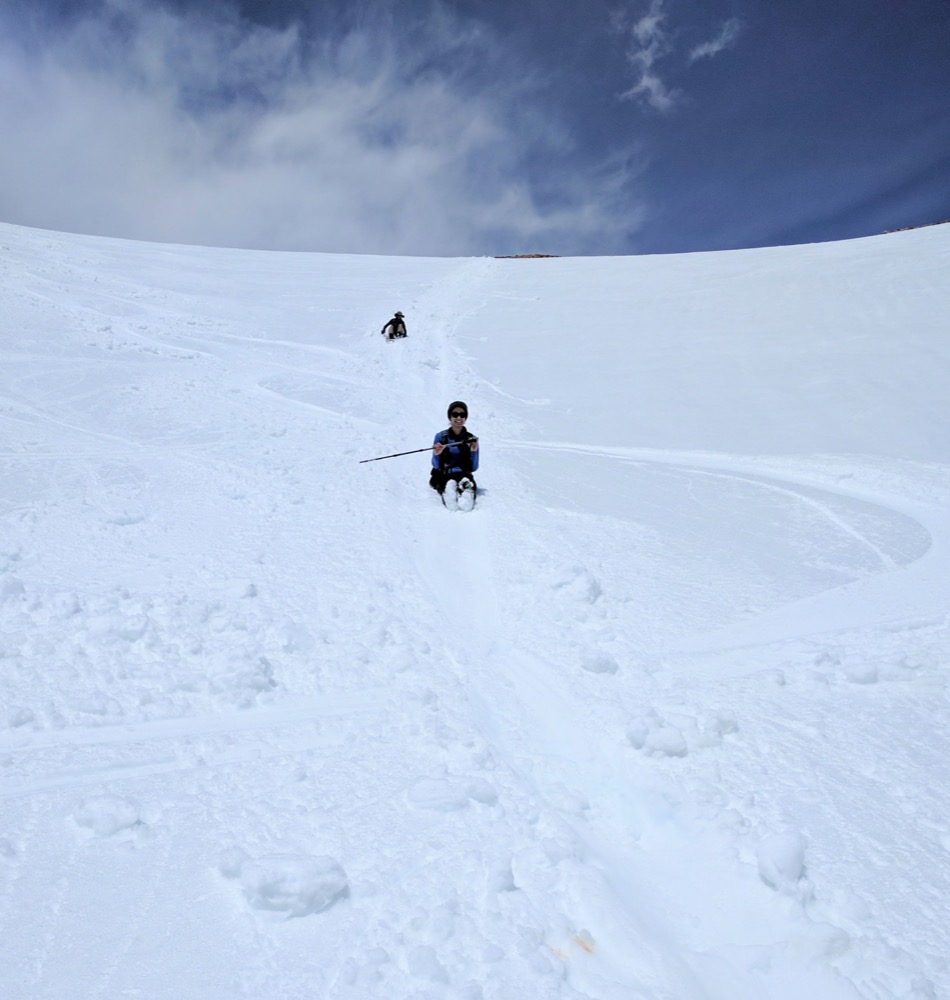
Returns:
point(458, 413)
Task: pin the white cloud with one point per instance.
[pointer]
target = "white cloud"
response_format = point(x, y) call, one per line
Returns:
point(651, 89)
point(648, 29)
point(724, 40)
point(649, 45)
point(154, 125)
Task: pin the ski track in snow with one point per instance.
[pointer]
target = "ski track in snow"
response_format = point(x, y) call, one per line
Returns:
point(812, 491)
point(276, 724)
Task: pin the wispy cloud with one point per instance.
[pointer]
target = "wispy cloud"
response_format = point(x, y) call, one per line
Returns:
point(144, 122)
point(648, 45)
point(651, 42)
point(724, 40)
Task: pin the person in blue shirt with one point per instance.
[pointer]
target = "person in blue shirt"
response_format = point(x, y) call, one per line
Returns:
point(454, 454)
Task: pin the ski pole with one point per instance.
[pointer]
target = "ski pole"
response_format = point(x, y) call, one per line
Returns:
point(399, 454)
point(396, 455)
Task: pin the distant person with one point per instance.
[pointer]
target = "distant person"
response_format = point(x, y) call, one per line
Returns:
point(395, 328)
point(454, 460)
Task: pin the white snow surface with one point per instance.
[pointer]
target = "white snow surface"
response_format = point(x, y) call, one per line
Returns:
point(666, 717)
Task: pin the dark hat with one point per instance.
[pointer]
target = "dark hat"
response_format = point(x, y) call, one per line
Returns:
point(457, 405)
point(399, 314)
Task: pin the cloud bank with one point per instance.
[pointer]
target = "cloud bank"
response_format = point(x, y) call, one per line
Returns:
point(142, 121)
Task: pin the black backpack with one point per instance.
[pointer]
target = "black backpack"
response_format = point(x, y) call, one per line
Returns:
point(464, 460)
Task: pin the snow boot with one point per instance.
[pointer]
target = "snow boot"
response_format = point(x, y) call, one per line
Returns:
point(466, 494)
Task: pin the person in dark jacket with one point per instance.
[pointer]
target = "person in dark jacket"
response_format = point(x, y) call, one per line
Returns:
point(395, 328)
point(454, 455)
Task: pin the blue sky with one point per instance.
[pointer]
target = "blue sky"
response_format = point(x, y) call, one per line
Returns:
point(475, 126)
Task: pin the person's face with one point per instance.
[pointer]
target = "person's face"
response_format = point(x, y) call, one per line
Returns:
point(457, 417)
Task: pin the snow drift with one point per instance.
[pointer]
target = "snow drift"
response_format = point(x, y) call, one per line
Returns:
point(666, 716)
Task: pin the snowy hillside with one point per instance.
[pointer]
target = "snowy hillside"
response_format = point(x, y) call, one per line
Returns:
point(666, 717)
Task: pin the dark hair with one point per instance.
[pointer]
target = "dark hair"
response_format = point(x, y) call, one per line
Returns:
point(457, 405)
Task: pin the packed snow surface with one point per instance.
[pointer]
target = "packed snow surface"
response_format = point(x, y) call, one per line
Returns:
point(665, 717)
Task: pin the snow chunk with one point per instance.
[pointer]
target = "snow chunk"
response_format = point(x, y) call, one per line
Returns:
point(577, 583)
point(107, 815)
point(8, 557)
point(97, 703)
point(781, 858)
point(439, 794)
point(666, 741)
point(723, 723)
point(369, 973)
point(482, 791)
point(655, 736)
point(600, 663)
point(424, 964)
point(230, 862)
point(125, 519)
point(862, 673)
point(293, 884)
point(20, 717)
point(11, 588)
point(711, 731)
point(242, 678)
point(449, 795)
point(501, 878)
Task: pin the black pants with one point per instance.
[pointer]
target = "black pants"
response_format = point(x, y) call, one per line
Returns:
point(439, 480)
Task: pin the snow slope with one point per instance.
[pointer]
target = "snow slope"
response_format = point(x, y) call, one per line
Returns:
point(665, 717)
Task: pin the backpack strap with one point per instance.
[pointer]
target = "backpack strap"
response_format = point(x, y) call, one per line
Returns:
point(446, 437)
point(464, 460)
